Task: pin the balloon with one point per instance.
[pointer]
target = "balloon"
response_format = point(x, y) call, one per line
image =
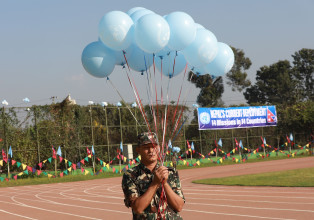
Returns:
point(182, 30)
point(115, 30)
point(139, 60)
point(98, 60)
point(168, 63)
point(132, 10)
point(151, 33)
point(119, 56)
point(140, 13)
point(202, 50)
point(200, 70)
point(198, 26)
point(223, 62)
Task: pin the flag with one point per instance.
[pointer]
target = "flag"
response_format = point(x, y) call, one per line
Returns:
point(169, 144)
point(54, 156)
point(4, 156)
point(291, 137)
point(93, 151)
point(264, 141)
point(59, 152)
point(88, 151)
point(189, 146)
point(10, 152)
point(241, 145)
point(237, 144)
point(288, 139)
point(192, 146)
point(220, 142)
point(271, 118)
point(121, 146)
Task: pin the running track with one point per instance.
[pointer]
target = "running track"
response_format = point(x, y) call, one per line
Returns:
point(103, 199)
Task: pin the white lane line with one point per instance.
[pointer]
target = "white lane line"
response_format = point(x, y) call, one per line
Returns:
point(22, 216)
point(239, 200)
point(48, 210)
point(230, 214)
point(249, 207)
point(284, 197)
point(241, 191)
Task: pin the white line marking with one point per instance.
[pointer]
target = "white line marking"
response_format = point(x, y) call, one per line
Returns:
point(22, 216)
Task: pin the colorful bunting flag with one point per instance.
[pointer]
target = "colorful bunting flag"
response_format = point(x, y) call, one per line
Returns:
point(10, 152)
point(59, 151)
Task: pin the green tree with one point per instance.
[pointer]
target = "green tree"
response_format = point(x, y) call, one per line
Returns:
point(237, 77)
point(274, 85)
point(303, 70)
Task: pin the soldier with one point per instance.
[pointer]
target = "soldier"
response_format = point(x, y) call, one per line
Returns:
point(143, 184)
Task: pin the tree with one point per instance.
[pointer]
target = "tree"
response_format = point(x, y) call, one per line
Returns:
point(237, 77)
point(274, 85)
point(211, 90)
point(303, 71)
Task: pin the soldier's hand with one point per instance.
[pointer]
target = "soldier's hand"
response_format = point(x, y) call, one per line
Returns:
point(160, 175)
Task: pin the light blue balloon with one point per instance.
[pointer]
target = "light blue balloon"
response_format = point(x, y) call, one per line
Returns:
point(119, 56)
point(139, 60)
point(201, 70)
point(170, 60)
point(98, 60)
point(132, 10)
point(223, 62)
point(198, 26)
point(202, 50)
point(151, 33)
point(140, 13)
point(182, 30)
point(116, 30)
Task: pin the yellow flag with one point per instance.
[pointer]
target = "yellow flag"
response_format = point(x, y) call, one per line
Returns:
point(260, 155)
point(124, 159)
point(233, 150)
point(90, 156)
point(20, 174)
point(307, 150)
point(65, 160)
point(254, 152)
point(220, 160)
point(190, 150)
point(49, 175)
point(237, 160)
point(273, 151)
point(1, 162)
point(212, 152)
point(245, 148)
point(24, 166)
point(103, 164)
point(139, 157)
point(171, 164)
point(222, 152)
point(44, 161)
point(86, 172)
point(293, 155)
point(307, 145)
point(286, 143)
point(184, 162)
point(167, 153)
point(198, 162)
point(70, 169)
point(107, 166)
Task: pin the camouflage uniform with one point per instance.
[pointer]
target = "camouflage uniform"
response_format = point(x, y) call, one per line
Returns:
point(136, 181)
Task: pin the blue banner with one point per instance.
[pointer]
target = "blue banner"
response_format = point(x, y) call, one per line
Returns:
point(236, 117)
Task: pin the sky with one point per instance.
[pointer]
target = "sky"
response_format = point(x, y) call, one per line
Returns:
point(41, 44)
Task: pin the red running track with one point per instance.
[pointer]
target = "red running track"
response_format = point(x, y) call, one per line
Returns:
point(103, 199)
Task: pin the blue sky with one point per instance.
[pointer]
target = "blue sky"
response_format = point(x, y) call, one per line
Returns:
point(41, 43)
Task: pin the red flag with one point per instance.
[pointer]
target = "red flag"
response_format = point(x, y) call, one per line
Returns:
point(288, 139)
point(61, 174)
point(189, 146)
point(13, 162)
point(54, 155)
point(82, 161)
point(74, 166)
point(237, 144)
point(82, 170)
point(4, 156)
point(88, 151)
point(39, 172)
point(40, 164)
point(60, 159)
point(15, 177)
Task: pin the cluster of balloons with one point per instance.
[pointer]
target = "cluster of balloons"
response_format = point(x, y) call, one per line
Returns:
point(140, 34)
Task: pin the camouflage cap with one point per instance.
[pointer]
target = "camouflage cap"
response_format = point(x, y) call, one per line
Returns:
point(147, 138)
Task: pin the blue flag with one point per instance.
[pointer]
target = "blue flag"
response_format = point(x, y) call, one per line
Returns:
point(169, 144)
point(10, 152)
point(241, 145)
point(192, 146)
point(93, 151)
point(121, 147)
point(220, 142)
point(59, 152)
point(291, 137)
point(265, 141)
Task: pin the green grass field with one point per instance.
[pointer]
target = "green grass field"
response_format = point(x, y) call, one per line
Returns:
point(291, 178)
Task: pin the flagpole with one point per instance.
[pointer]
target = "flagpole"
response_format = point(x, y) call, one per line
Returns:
point(5, 138)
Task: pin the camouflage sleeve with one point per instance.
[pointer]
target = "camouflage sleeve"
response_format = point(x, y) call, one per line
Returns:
point(174, 182)
point(129, 189)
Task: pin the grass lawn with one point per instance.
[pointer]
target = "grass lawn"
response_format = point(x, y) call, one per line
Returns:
point(291, 178)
